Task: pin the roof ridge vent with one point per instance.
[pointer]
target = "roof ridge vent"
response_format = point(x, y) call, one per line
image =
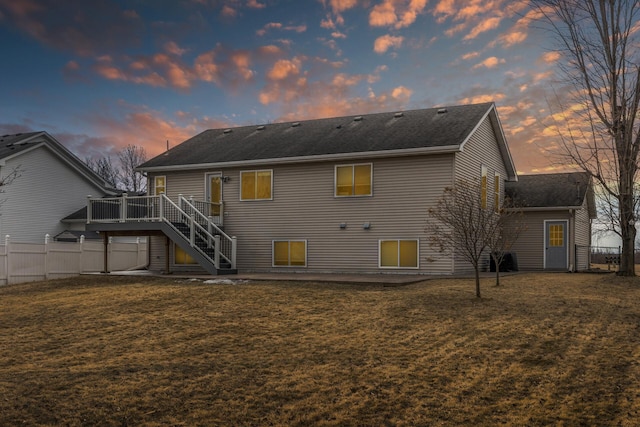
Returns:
point(227, 131)
point(261, 127)
point(357, 119)
point(295, 124)
point(442, 110)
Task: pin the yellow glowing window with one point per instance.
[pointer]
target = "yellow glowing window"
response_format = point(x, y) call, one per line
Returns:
point(290, 253)
point(160, 185)
point(496, 195)
point(255, 185)
point(399, 253)
point(483, 188)
point(353, 180)
point(556, 235)
point(180, 257)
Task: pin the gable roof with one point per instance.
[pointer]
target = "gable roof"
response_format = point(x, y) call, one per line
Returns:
point(17, 144)
point(434, 130)
point(555, 190)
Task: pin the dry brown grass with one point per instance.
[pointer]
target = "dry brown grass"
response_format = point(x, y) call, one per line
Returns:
point(542, 349)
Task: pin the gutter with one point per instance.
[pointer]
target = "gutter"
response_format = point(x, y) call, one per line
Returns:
point(447, 149)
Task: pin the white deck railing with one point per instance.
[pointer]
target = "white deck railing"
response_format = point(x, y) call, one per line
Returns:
point(160, 208)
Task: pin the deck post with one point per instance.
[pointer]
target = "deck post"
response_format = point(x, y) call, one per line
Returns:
point(105, 237)
point(89, 209)
point(167, 269)
point(234, 249)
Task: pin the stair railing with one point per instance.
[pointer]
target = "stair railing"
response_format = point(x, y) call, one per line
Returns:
point(226, 243)
point(162, 209)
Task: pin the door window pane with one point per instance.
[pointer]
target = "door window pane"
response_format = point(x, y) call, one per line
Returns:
point(160, 185)
point(556, 235)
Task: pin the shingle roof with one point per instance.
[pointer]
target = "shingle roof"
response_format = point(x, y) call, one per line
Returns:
point(12, 144)
point(550, 190)
point(445, 128)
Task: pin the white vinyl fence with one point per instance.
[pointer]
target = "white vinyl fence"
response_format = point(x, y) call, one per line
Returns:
point(28, 262)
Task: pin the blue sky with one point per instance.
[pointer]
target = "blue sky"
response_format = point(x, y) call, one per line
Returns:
point(101, 74)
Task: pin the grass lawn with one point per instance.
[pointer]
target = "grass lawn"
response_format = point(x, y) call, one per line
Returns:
point(541, 349)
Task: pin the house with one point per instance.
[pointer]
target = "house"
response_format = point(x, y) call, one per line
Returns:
point(52, 183)
point(557, 210)
point(343, 194)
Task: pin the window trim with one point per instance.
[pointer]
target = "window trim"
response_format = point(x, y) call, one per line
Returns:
point(398, 267)
point(353, 172)
point(255, 171)
point(155, 180)
point(483, 187)
point(273, 253)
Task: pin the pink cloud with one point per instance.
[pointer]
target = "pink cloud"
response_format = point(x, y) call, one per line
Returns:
point(396, 13)
point(484, 26)
point(384, 43)
point(284, 68)
point(551, 57)
point(173, 48)
point(490, 62)
point(254, 4)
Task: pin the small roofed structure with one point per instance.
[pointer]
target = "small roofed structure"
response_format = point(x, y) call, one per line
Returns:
point(558, 210)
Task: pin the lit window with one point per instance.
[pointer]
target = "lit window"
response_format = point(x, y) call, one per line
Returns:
point(483, 188)
point(256, 185)
point(353, 180)
point(399, 254)
point(556, 235)
point(290, 253)
point(180, 257)
point(496, 196)
point(160, 185)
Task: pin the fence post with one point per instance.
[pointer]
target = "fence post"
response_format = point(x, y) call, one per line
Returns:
point(46, 256)
point(6, 258)
point(81, 254)
point(161, 207)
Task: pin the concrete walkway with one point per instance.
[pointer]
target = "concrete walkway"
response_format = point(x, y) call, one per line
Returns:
point(388, 280)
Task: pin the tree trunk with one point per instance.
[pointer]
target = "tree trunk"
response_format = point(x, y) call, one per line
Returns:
point(477, 270)
point(497, 272)
point(627, 221)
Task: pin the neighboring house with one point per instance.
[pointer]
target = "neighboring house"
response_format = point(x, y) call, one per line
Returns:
point(52, 184)
point(345, 194)
point(557, 210)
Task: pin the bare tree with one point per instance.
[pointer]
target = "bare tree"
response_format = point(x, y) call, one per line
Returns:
point(599, 42)
point(7, 179)
point(122, 174)
point(130, 158)
point(507, 232)
point(104, 167)
point(460, 226)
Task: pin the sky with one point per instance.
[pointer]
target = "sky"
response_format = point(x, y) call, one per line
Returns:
point(101, 74)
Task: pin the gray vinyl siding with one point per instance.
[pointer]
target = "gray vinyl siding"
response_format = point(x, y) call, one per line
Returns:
point(480, 150)
point(583, 237)
point(530, 246)
point(47, 191)
point(304, 208)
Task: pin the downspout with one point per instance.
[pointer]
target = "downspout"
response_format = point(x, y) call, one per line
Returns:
point(572, 242)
